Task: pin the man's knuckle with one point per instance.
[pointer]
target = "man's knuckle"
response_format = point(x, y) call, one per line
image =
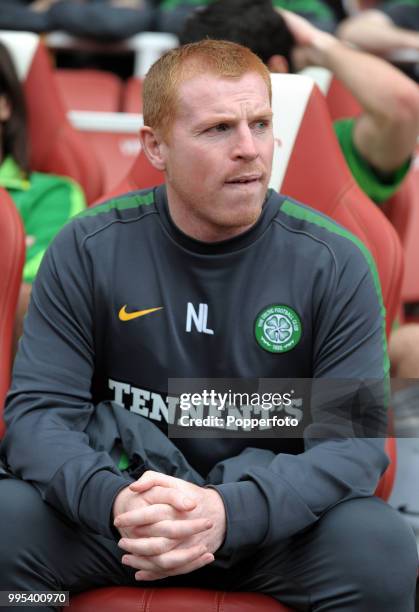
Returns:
point(160, 547)
point(172, 530)
point(164, 563)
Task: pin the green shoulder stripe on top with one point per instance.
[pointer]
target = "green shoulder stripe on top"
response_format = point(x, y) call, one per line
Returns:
point(122, 203)
point(299, 212)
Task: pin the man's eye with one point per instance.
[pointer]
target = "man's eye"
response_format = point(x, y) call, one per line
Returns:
point(261, 125)
point(220, 127)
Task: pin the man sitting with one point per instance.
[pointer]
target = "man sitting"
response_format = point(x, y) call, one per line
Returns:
point(191, 280)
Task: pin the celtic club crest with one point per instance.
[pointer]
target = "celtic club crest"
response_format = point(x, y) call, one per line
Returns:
point(278, 328)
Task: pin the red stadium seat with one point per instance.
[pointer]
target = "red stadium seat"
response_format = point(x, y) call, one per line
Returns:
point(141, 175)
point(89, 90)
point(309, 166)
point(340, 101)
point(114, 139)
point(402, 209)
point(55, 146)
point(12, 257)
point(132, 101)
point(112, 135)
point(131, 599)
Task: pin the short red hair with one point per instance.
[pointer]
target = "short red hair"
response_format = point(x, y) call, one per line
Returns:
point(219, 57)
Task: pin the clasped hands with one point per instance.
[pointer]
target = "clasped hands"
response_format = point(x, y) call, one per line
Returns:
point(168, 526)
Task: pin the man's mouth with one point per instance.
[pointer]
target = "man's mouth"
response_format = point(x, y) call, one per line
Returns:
point(244, 179)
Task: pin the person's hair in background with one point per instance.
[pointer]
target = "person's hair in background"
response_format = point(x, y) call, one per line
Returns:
point(222, 58)
point(271, 36)
point(13, 135)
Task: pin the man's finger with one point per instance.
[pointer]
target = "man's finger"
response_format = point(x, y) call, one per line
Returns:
point(145, 516)
point(166, 562)
point(147, 546)
point(173, 497)
point(151, 479)
point(185, 569)
point(174, 529)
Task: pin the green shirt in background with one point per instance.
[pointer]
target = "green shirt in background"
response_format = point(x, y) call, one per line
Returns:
point(314, 7)
point(45, 203)
point(388, 3)
point(376, 187)
point(171, 4)
point(304, 6)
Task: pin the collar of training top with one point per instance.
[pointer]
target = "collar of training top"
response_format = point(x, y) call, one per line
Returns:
point(270, 208)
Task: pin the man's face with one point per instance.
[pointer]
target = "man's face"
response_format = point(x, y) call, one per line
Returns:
point(218, 155)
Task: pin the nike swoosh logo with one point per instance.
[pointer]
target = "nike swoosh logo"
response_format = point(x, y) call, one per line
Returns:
point(127, 316)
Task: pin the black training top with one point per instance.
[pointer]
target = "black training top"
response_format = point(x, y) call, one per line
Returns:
point(294, 296)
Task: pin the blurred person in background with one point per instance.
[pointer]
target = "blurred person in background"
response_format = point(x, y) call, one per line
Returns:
point(99, 19)
point(388, 26)
point(24, 15)
point(45, 202)
point(377, 145)
point(103, 20)
point(173, 13)
point(390, 29)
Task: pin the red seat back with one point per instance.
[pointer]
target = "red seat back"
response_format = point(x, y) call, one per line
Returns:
point(403, 208)
point(12, 256)
point(141, 176)
point(309, 166)
point(340, 101)
point(132, 101)
point(56, 147)
point(114, 138)
point(89, 90)
point(131, 599)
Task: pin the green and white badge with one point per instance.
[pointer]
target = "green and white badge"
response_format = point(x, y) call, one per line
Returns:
point(278, 328)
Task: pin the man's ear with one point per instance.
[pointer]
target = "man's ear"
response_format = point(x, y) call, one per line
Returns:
point(5, 108)
point(153, 147)
point(278, 63)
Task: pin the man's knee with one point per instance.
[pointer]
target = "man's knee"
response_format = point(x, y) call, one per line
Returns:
point(24, 531)
point(42, 550)
point(375, 551)
point(21, 509)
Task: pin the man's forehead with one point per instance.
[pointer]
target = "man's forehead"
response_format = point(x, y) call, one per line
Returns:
point(210, 92)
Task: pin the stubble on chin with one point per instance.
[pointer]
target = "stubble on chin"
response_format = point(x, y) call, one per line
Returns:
point(241, 216)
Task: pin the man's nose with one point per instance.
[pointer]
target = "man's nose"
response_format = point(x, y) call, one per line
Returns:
point(244, 146)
